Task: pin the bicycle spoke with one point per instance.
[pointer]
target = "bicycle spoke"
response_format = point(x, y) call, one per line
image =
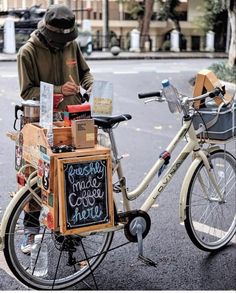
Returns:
point(212, 223)
point(65, 266)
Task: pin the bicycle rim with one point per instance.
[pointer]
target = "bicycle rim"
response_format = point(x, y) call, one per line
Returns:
point(70, 258)
point(211, 221)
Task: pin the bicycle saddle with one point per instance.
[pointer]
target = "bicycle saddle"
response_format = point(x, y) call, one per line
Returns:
point(110, 121)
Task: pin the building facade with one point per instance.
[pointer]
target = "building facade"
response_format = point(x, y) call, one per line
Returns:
point(121, 24)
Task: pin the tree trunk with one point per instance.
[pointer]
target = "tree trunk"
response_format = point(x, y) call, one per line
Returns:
point(148, 11)
point(232, 19)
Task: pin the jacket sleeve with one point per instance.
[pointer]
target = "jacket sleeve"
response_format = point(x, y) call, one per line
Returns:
point(28, 88)
point(86, 78)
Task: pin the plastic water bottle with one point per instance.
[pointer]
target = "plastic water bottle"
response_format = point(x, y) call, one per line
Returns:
point(171, 96)
point(39, 269)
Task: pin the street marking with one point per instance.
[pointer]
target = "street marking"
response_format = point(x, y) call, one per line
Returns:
point(167, 71)
point(217, 232)
point(152, 131)
point(156, 205)
point(125, 72)
point(13, 75)
point(159, 127)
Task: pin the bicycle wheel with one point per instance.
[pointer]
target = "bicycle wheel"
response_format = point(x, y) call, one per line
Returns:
point(211, 221)
point(70, 258)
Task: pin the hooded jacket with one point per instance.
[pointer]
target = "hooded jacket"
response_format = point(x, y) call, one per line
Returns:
point(36, 62)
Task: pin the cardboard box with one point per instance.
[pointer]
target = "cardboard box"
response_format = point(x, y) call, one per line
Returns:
point(83, 135)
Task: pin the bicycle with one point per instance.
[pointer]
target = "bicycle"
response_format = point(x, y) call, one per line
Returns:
point(207, 200)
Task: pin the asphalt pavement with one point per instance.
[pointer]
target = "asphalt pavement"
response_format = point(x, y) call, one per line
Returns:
point(126, 55)
point(180, 265)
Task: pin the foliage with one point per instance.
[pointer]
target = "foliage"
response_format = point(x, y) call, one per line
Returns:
point(211, 10)
point(224, 72)
point(135, 9)
point(168, 11)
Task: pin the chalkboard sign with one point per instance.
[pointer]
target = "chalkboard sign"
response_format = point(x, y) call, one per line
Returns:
point(86, 191)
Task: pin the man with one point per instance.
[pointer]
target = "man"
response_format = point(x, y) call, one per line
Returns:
point(53, 56)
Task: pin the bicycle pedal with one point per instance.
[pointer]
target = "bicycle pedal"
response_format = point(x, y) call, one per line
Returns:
point(147, 261)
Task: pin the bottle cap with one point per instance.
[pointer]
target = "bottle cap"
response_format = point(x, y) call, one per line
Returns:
point(165, 83)
point(38, 238)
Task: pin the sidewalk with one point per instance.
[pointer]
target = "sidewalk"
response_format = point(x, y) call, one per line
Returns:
point(98, 55)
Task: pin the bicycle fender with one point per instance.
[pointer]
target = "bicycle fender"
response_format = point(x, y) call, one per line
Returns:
point(9, 210)
point(186, 182)
point(185, 187)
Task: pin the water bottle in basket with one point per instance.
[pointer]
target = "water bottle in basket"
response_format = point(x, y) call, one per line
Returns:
point(39, 257)
point(171, 96)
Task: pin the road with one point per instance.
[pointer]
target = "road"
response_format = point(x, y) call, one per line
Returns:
point(180, 265)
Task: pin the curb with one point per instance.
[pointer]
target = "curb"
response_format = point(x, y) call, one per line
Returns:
point(158, 55)
point(136, 56)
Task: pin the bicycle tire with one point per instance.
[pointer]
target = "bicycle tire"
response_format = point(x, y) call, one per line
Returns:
point(211, 222)
point(95, 245)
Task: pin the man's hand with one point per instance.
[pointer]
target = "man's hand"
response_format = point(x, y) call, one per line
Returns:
point(70, 88)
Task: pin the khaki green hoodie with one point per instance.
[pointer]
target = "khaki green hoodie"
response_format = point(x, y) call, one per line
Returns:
point(37, 63)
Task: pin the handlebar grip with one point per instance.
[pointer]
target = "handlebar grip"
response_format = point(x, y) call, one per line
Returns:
point(216, 92)
point(85, 97)
point(17, 108)
point(149, 95)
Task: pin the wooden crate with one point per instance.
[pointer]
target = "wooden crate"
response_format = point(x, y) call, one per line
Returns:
point(207, 81)
point(37, 152)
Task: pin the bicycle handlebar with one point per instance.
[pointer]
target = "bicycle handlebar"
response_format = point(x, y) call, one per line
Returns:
point(150, 95)
point(214, 93)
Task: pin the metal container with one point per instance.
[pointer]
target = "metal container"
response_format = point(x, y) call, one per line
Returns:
point(31, 109)
point(30, 112)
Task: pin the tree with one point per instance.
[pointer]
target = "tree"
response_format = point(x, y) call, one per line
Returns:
point(210, 18)
point(232, 20)
point(136, 11)
point(168, 11)
point(142, 11)
point(148, 12)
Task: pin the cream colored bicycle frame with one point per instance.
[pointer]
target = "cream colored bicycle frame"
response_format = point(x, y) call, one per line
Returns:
point(192, 145)
point(199, 155)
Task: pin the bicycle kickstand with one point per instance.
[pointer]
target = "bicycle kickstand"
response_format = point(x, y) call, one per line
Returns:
point(147, 261)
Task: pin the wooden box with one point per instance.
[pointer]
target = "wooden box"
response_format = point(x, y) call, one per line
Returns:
point(207, 81)
point(51, 178)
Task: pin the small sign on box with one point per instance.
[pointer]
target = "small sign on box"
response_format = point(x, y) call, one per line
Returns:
point(102, 106)
point(83, 133)
point(101, 98)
